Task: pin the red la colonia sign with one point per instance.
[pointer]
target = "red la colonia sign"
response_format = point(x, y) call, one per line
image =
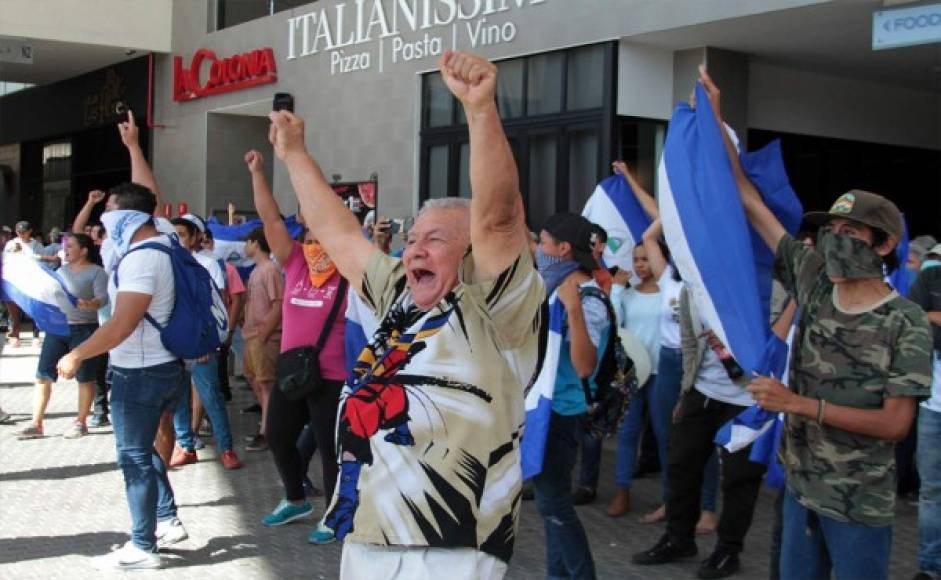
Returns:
point(229, 74)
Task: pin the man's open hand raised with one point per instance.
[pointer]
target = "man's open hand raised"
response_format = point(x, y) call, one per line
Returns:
point(470, 78)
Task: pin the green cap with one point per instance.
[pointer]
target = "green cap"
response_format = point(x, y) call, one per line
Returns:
point(865, 207)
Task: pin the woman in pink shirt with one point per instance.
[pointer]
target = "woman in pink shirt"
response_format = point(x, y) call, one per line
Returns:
point(311, 286)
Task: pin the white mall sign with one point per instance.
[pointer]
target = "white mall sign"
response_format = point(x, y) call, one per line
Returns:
point(906, 26)
point(361, 34)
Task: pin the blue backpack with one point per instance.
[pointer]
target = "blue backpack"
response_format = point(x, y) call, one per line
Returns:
point(198, 323)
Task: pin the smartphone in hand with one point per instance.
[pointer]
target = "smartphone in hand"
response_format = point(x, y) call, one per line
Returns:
point(283, 102)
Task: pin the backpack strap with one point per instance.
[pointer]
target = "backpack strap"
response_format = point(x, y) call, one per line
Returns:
point(145, 246)
point(332, 316)
point(598, 294)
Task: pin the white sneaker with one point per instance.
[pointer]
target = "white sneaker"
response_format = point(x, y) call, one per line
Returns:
point(128, 557)
point(170, 532)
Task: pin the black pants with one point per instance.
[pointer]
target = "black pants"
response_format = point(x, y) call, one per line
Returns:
point(223, 360)
point(691, 445)
point(286, 420)
point(100, 405)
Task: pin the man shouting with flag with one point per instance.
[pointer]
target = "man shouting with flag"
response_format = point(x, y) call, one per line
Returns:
point(861, 358)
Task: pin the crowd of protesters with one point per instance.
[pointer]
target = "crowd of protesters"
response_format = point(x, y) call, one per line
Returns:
point(417, 412)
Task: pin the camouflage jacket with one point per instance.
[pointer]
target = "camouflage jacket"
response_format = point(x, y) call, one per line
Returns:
point(855, 359)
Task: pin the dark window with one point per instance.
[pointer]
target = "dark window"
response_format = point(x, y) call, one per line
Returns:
point(561, 131)
point(641, 144)
point(232, 12)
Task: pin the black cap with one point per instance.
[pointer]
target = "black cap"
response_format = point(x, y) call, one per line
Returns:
point(23, 226)
point(577, 231)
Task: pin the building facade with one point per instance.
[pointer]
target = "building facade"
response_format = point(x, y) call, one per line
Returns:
point(582, 83)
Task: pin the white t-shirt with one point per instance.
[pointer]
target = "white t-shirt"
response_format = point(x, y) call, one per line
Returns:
point(30, 248)
point(713, 381)
point(145, 272)
point(640, 312)
point(212, 266)
point(669, 309)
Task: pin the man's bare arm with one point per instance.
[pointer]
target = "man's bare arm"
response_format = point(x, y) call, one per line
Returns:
point(140, 168)
point(331, 222)
point(498, 221)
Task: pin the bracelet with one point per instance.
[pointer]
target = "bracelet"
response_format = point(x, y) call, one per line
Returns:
point(821, 407)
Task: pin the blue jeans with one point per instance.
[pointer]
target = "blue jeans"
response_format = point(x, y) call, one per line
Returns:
point(812, 544)
point(206, 379)
point(929, 505)
point(138, 399)
point(567, 552)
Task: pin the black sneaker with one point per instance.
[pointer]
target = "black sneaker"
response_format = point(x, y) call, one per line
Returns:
point(665, 552)
point(721, 564)
point(258, 443)
point(583, 496)
point(256, 408)
point(925, 576)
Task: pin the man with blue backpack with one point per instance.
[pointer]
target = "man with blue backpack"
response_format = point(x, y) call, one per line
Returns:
point(204, 370)
point(164, 311)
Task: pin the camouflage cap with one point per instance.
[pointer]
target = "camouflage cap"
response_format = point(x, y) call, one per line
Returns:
point(865, 207)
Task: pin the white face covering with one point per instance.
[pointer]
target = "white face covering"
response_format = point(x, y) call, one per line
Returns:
point(121, 225)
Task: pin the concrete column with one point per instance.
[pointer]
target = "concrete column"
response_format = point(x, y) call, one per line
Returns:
point(730, 72)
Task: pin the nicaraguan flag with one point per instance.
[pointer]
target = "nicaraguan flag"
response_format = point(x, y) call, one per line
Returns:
point(614, 207)
point(361, 324)
point(900, 279)
point(723, 261)
point(538, 403)
point(41, 293)
point(229, 241)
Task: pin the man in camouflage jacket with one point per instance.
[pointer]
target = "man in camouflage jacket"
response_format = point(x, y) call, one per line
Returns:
point(861, 357)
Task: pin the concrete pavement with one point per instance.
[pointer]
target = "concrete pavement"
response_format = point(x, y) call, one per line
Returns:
point(62, 501)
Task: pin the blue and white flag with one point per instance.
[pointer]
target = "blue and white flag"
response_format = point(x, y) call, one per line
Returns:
point(41, 293)
point(361, 325)
point(614, 207)
point(723, 261)
point(229, 241)
point(538, 403)
point(754, 422)
point(901, 279)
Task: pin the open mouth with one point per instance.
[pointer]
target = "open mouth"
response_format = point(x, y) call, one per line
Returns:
point(423, 276)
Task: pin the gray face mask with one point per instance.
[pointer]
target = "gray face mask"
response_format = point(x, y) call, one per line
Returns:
point(849, 258)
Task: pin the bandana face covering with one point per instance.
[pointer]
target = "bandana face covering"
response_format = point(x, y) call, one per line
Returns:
point(553, 269)
point(319, 264)
point(121, 225)
point(849, 258)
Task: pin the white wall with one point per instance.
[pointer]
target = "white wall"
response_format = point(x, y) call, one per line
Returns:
point(645, 81)
point(137, 24)
point(810, 103)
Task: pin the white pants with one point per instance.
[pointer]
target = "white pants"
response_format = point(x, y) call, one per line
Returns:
point(374, 562)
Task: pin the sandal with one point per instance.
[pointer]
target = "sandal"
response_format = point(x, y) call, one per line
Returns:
point(654, 517)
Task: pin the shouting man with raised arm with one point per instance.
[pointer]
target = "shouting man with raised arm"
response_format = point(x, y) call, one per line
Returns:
point(861, 358)
point(431, 417)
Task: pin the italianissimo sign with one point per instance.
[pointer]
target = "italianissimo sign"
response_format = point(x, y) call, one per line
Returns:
point(256, 67)
point(361, 34)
